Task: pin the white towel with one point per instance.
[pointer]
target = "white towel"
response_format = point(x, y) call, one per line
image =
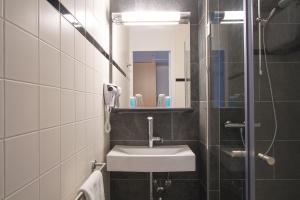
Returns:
point(93, 187)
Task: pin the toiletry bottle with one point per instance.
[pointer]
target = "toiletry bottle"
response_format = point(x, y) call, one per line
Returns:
point(167, 101)
point(161, 100)
point(132, 102)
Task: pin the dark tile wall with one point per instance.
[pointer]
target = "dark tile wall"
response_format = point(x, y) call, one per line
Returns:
point(282, 180)
point(176, 127)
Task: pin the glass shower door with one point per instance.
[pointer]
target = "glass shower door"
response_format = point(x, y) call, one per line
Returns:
point(226, 141)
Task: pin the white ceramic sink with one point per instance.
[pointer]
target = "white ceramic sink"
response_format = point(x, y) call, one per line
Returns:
point(157, 159)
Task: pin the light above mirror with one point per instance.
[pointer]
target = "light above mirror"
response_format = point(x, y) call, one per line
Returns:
point(149, 23)
point(227, 17)
point(233, 16)
point(151, 18)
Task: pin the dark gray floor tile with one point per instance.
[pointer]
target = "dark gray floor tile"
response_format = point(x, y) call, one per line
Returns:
point(285, 82)
point(134, 126)
point(203, 122)
point(214, 126)
point(214, 167)
point(184, 189)
point(277, 189)
point(194, 47)
point(232, 189)
point(287, 160)
point(214, 195)
point(186, 125)
point(129, 175)
point(288, 116)
point(194, 82)
point(203, 81)
point(129, 189)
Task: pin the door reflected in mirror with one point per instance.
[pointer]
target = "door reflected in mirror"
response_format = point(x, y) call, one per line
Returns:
point(157, 60)
point(150, 75)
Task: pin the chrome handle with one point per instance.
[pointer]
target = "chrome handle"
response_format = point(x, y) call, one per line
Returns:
point(229, 124)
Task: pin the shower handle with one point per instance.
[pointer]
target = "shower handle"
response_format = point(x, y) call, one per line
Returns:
point(229, 124)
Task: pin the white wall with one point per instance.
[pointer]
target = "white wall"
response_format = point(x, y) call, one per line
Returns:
point(164, 38)
point(51, 109)
point(120, 53)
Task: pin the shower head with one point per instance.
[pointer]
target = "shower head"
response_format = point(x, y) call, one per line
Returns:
point(280, 5)
point(285, 3)
point(270, 160)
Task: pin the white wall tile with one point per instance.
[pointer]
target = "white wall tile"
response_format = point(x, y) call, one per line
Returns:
point(80, 11)
point(90, 131)
point(67, 37)
point(97, 60)
point(98, 87)
point(49, 65)
point(89, 16)
point(50, 185)
point(21, 55)
point(80, 135)
point(21, 108)
point(1, 109)
point(49, 148)
point(67, 71)
point(68, 141)
point(79, 47)
point(49, 107)
point(1, 8)
point(89, 79)
point(103, 28)
point(98, 104)
point(23, 13)
point(29, 192)
point(100, 10)
point(1, 169)
point(68, 177)
point(105, 70)
point(80, 106)
point(48, 97)
point(89, 54)
point(83, 167)
point(79, 76)
point(49, 24)
point(21, 161)
point(89, 106)
point(102, 140)
point(67, 106)
point(69, 4)
point(1, 49)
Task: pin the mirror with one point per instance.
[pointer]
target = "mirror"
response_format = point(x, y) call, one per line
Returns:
point(155, 48)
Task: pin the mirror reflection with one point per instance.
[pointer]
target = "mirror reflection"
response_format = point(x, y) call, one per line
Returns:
point(155, 47)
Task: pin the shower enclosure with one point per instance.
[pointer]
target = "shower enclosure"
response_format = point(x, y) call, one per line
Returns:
point(254, 99)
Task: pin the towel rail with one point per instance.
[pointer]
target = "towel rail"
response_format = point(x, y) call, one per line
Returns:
point(95, 164)
point(80, 196)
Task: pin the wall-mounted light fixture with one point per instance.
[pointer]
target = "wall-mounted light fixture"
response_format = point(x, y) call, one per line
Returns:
point(227, 17)
point(148, 18)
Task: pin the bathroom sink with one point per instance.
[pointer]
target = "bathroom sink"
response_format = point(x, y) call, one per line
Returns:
point(157, 159)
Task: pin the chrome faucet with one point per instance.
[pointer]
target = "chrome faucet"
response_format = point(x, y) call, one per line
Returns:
point(150, 129)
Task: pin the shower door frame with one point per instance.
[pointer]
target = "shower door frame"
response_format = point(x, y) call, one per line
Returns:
point(249, 101)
